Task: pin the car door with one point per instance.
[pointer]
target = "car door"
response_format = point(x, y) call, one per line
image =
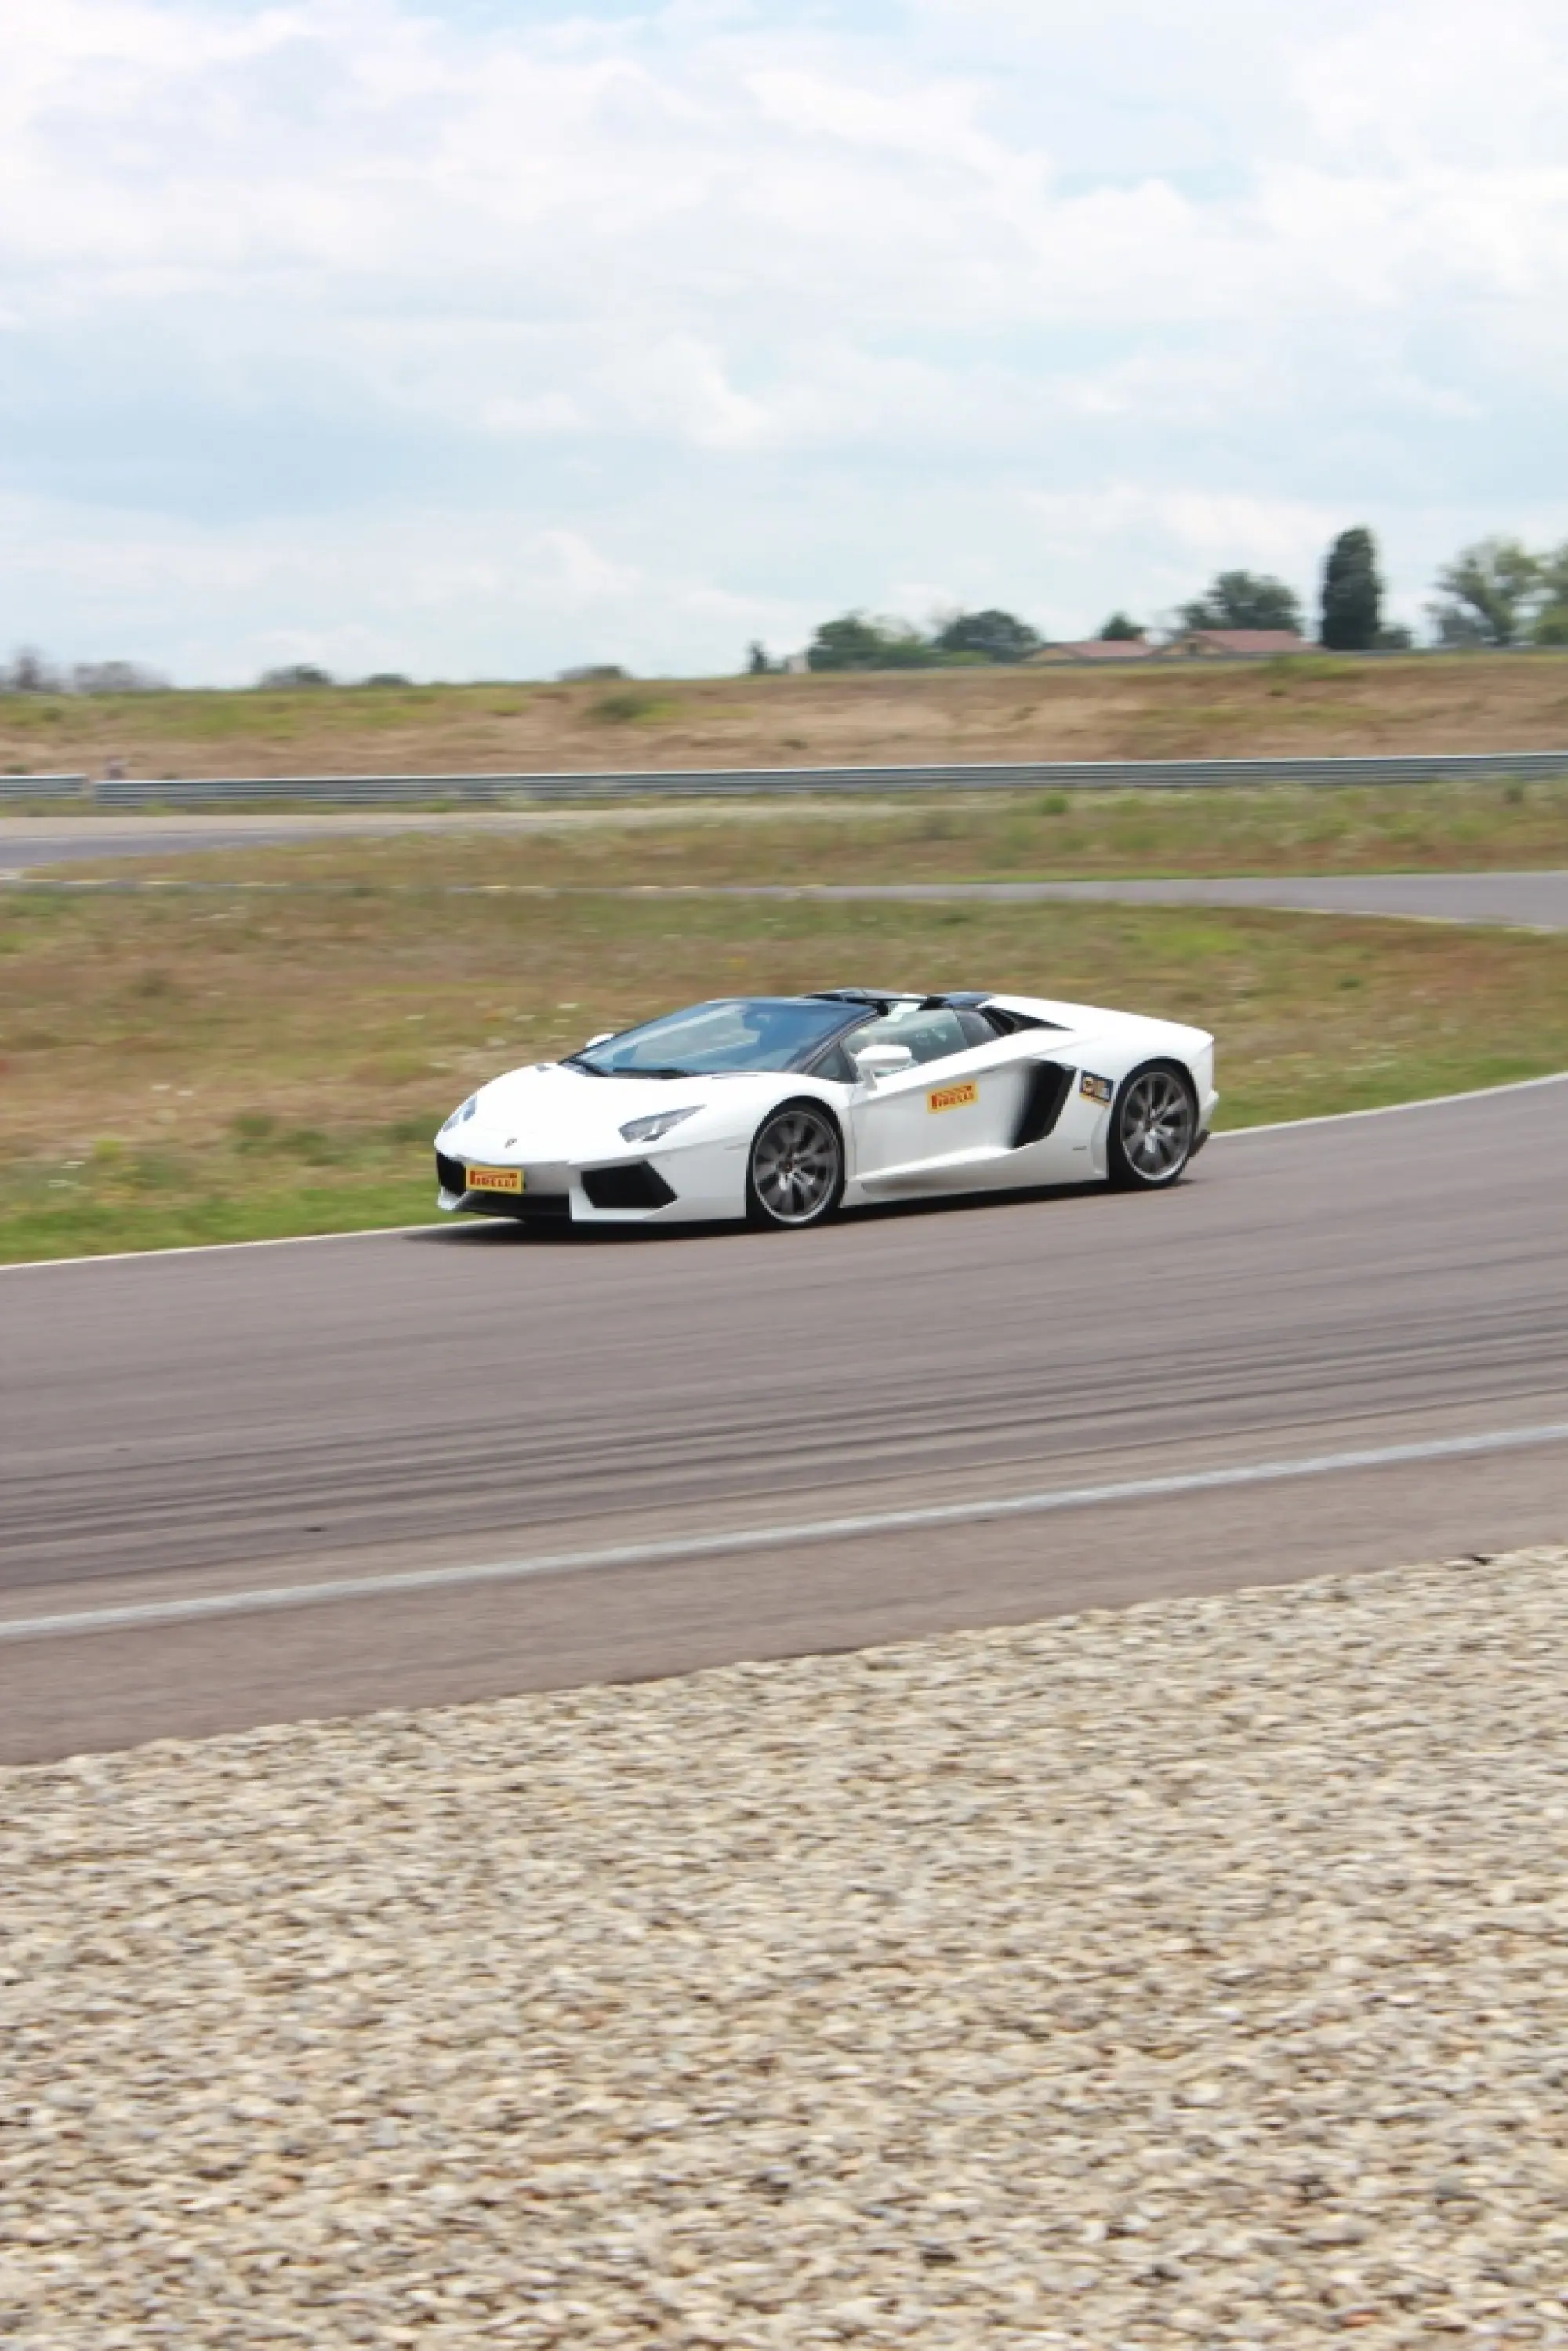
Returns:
point(947, 1117)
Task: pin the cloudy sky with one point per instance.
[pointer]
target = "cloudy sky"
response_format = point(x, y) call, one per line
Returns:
point(480, 337)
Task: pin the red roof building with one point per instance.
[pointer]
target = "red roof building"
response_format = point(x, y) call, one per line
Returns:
point(1236, 645)
point(1097, 648)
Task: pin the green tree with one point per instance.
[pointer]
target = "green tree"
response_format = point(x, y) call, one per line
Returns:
point(991, 636)
point(30, 673)
point(1454, 625)
point(1551, 622)
point(1120, 631)
point(756, 662)
point(293, 677)
point(1244, 600)
point(1353, 594)
point(856, 642)
point(116, 677)
point(1490, 594)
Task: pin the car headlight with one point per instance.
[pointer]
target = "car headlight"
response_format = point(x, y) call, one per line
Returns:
point(463, 1114)
point(649, 1130)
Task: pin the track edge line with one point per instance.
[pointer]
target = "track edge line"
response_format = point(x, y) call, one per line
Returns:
point(275, 1599)
point(392, 1232)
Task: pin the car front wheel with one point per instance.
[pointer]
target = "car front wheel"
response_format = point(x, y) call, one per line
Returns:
point(796, 1171)
point(1154, 1124)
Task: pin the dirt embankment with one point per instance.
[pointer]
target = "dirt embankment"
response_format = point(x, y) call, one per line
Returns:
point(1312, 704)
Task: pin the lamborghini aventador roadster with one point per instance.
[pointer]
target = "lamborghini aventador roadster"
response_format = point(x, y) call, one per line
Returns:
point(786, 1109)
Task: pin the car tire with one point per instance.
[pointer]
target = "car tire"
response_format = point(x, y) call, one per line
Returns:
point(1154, 1128)
point(794, 1174)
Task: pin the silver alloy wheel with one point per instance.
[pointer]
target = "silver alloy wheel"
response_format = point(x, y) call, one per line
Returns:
point(1156, 1122)
point(797, 1167)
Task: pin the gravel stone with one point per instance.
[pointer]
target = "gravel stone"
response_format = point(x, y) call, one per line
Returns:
point(1195, 1973)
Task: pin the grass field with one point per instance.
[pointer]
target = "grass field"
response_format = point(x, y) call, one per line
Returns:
point(1309, 703)
point(189, 1068)
point(1283, 829)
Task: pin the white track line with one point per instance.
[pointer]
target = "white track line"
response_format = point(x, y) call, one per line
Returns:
point(1391, 1110)
point(270, 1598)
point(216, 1249)
point(390, 1232)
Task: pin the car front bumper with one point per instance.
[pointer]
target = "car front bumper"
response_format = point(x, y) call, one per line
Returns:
point(695, 1183)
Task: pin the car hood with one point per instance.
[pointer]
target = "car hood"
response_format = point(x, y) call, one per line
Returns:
point(552, 1112)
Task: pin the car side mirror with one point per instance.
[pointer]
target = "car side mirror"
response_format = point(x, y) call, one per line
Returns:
point(883, 1062)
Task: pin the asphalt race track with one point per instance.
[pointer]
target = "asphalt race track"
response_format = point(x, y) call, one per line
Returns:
point(29, 842)
point(1535, 900)
point(1527, 901)
point(213, 1422)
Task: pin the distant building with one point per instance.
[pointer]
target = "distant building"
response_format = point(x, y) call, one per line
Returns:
point(1095, 649)
point(1235, 644)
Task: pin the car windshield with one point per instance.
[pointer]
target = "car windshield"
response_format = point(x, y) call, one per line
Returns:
point(740, 1032)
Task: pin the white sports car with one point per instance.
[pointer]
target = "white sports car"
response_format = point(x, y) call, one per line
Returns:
point(786, 1108)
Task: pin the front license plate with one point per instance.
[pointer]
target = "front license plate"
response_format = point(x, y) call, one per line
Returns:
point(494, 1179)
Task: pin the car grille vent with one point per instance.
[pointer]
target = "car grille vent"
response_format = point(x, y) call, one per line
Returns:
point(637, 1187)
point(452, 1174)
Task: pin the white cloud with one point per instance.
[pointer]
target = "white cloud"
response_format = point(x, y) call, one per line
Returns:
point(1183, 535)
point(1415, 81)
point(758, 311)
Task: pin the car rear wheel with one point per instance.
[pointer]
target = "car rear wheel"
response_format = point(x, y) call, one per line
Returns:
point(796, 1171)
point(1153, 1125)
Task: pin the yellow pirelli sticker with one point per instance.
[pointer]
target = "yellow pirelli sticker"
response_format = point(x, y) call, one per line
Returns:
point(494, 1179)
point(953, 1097)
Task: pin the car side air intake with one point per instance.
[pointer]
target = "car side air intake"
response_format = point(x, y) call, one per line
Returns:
point(1048, 1089)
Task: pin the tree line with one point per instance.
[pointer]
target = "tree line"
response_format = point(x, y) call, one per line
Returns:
point(31, 671)
point(1497, 592)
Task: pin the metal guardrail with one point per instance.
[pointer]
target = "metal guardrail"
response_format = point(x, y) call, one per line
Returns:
point(42, 787)
point(1050, 775)
point(1083, 775)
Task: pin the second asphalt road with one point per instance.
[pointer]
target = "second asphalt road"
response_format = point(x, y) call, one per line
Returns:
point(204, 1424)
point(1536, 901)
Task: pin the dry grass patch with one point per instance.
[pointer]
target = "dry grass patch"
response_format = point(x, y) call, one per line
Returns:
point(203, 1067)
point(1470, 702)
